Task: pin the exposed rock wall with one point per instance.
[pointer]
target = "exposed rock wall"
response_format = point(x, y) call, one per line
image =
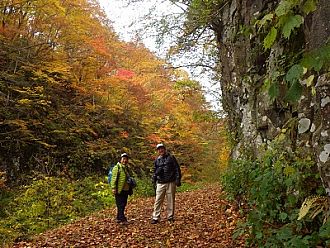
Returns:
point(254, 120)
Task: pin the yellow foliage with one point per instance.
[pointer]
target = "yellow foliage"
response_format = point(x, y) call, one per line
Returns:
point(24, 101)
point(224, 156)
point(289, 170)
point(315, 205)
point(44, 102)
point(45, 145)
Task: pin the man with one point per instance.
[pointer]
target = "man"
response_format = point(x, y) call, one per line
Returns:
point(167, 175)
point(120, 187)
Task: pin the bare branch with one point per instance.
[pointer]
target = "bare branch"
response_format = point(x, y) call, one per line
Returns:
point(190, 65)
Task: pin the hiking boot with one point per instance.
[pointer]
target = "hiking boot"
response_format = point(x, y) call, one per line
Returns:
point(122, 221)
point(170, 220)
point(153, 221)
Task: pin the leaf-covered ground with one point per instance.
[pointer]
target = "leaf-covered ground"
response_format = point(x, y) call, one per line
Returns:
point(203, 219)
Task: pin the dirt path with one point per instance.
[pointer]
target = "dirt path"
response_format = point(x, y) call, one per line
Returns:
point(202, 220)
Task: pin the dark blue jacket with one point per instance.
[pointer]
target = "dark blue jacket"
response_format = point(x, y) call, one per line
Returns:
point(167, 169)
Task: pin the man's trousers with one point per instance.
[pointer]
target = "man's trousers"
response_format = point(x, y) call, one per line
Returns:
point(163, 189)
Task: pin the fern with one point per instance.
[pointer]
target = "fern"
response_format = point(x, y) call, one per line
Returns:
point(315, 205)
point(309, 6)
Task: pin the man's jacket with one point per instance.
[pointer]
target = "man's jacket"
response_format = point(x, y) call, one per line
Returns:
point(166, 169)
point(119, 178)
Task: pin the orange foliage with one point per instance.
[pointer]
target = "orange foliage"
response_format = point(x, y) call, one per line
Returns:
point(124, 74)
point(154, 138)
point(99, 45)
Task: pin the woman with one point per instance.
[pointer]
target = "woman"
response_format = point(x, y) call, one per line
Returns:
point(120, 187)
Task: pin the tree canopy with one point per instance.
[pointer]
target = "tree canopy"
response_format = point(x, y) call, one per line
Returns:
point(74, 95)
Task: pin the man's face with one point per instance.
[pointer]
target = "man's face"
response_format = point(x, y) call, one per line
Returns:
point(161, 151)
point(124, 160)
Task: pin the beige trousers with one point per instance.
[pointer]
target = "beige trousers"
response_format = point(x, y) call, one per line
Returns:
point(163, 189)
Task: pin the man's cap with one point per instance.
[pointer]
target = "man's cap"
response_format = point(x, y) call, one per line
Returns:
point(159, 146)
point(124, 155)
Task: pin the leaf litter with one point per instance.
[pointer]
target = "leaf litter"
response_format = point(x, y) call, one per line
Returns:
point(203, 219)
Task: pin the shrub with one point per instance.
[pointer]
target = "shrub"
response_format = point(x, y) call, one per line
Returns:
point(47, 203)
point(270, 191)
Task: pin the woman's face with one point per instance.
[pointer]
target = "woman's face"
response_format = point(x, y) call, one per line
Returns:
point(124, 160)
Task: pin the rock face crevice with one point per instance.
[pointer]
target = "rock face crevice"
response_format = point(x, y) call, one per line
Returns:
point(255, 120)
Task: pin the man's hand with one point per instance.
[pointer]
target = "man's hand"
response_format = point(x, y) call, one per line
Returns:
point(154, 182)
point(154, 179)
point(114, 191)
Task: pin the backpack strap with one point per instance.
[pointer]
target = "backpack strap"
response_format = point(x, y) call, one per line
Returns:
point(126, 171)
point(117, 178)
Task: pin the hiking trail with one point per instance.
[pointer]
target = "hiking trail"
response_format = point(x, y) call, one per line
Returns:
point(203, 219)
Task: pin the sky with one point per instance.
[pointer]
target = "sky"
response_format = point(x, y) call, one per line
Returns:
point(122, 17)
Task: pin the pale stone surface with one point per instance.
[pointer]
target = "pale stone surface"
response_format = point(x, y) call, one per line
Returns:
point(312, 128)
point(325, 101)
point(304, 124)
point(324, 156)
point(324, 133)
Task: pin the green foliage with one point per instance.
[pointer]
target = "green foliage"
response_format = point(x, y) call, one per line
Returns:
point(284, 7)
point(283, 18)
point(270, 38)
point(273, 90)
point(203, 11)
point(236, 180)
point(317, 59)
point(104, 193)
point(47, 203)
point(309, 6)
point(270, 191)
point(275, 28)
point(291, 23)
point(325, 233)
point(294, 93)
point(144, 186)
point(294, 73)
point(266, 19)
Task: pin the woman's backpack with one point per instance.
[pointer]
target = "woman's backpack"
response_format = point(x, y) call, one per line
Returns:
point(110, 173)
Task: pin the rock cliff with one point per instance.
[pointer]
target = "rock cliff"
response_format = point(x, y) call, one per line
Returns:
point(244, 65)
